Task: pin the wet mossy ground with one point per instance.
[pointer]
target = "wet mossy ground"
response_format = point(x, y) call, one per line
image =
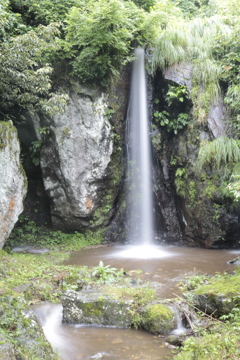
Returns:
point(35, 278)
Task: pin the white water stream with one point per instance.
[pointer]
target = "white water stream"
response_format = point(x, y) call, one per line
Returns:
point(140, 220)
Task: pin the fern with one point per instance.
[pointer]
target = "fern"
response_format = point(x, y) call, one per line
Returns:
point(220, 151)
point(193, 41)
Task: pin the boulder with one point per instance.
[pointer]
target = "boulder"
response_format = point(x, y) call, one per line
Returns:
point(158, 319)
point(98, 308)
point(81, 157)
point(13, 186)
point(74, 160)
point(215, 304)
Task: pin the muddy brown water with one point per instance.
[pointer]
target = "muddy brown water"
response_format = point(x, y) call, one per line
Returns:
point(165, 266)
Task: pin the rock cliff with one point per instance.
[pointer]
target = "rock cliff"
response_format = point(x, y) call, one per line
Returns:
point(13, 180)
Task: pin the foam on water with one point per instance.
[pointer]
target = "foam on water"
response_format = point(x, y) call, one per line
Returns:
point(143, 252)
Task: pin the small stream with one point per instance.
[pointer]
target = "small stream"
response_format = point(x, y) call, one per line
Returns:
point(165, 268)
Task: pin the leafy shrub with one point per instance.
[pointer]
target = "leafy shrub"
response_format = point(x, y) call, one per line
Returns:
point(100, 34)
point(174, 125)
point(42, 11)
point(106, 274)
point(28, 233)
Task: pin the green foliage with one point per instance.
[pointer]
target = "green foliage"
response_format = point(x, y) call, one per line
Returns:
point(101, 33)
point(234, 187)
point(217, 340)
point(34, 151)
point(176, 93)
point(180, 181)
point(214, 345)
point(194, 8)
point(140, 296)
point(193, 41)
point(218, 152)
point(145, 4)
point(174, 125)
point(23, 81)
point(106, 274)
point(192, 193)
point(193, 282)
point(43, 11)
point(28, 233)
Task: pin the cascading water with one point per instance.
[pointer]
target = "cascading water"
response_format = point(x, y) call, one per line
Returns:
point(140, 203)
point(140, 223)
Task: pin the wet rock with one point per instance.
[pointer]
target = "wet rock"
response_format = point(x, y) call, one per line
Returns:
point(181, 74)
point(235, 261)
point(27, 332)
point(174, 340)
point(204, 216)
point(216, 118)
point(75, 158)
point(158, 319)
point(88, 307)
point(216, 304)
point(14, 187)
point(97, 356)
point(6, 349)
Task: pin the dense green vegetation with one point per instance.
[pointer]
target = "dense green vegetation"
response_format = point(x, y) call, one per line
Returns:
point(26, 232)
point(91, 40)
point(218, 338)
point(42, 41)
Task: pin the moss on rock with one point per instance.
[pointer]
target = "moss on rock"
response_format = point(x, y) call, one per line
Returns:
point(158, 319)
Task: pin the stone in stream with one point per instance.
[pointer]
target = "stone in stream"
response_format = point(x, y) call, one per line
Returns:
point(158, 319)
point(102, 308)
point(97, 308)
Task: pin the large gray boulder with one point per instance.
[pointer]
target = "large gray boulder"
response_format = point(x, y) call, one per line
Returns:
point(75, 158)
point(101, 307)
point(13, 183)
point(97, 308)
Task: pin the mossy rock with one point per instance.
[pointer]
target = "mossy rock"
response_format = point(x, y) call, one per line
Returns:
point(158, 319)
point(220, 296)
point(22, 336)
point(6, 349)
point(99, 308)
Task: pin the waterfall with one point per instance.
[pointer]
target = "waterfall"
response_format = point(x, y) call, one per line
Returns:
point(140, 226)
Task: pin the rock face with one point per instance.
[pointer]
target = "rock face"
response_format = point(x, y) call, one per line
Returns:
point(13, 185)
point(95, 308)
point(196, 205)
point(77, 161)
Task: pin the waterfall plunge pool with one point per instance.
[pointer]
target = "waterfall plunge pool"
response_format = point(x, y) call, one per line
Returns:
point(79, 342)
